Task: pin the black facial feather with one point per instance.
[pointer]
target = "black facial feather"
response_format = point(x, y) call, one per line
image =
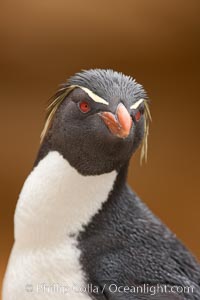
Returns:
point(83, 139)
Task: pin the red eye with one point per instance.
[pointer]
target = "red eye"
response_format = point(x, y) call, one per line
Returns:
point(84, 106)
point(137, 116)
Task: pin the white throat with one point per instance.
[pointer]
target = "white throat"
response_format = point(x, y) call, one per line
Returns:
point(57, 201)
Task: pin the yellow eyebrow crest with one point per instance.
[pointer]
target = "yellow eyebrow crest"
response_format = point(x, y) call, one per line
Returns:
point(93, 96)
point(135, 105)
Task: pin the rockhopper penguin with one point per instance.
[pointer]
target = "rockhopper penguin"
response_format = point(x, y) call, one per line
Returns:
point(80, 231)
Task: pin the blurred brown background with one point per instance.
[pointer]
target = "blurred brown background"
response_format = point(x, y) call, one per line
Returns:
point(157, 42)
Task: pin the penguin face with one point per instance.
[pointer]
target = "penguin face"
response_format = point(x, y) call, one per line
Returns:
point(100, 123)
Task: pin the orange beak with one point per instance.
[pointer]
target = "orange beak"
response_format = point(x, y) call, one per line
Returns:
point(119, 124)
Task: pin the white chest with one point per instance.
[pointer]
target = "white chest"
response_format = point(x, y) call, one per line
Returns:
point(56, 201)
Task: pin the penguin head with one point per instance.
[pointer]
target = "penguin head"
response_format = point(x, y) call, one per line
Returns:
point(97, 120)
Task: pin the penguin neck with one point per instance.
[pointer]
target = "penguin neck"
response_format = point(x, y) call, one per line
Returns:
point(56, 201)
